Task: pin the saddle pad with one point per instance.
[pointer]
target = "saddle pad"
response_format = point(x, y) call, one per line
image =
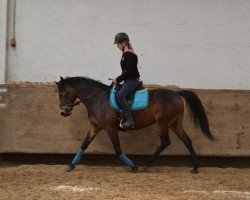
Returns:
point(140, 100)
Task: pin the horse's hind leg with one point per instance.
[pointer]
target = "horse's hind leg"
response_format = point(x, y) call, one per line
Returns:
point(177, 128)
point(165, 141)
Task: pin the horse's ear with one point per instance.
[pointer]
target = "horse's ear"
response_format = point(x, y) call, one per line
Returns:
point(61, 79)
point(62, 83)
point(56, 82)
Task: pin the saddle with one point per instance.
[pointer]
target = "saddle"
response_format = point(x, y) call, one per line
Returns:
point(130, 97)
point(137, 99)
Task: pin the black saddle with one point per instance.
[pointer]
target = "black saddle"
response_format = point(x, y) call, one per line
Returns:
point(130, 97)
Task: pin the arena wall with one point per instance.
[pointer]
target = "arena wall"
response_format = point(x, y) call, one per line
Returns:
point(31, 123)
point(203, 45)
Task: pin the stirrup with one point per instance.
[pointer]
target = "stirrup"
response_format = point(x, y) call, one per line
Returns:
point(131, 126)
point(121, 124)
point(122, 119)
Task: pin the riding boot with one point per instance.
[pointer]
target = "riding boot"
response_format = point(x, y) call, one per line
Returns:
point(129, 119)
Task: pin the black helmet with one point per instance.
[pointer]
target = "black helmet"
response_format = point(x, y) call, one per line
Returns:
point(121, 37)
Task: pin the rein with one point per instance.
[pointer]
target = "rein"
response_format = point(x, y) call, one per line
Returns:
point(78, 102)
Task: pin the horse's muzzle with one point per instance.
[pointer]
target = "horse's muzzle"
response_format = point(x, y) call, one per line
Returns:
point(66, 113)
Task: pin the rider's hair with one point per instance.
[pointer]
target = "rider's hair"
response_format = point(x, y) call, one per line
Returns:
point(127, 43)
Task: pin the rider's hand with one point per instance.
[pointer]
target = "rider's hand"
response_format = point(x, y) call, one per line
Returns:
point(114, 81)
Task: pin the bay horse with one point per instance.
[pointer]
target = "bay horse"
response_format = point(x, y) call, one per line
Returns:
point(165, 109)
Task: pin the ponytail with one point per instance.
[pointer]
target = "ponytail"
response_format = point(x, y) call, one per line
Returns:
point(130, 46)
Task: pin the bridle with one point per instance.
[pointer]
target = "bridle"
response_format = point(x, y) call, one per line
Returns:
point(67, 102)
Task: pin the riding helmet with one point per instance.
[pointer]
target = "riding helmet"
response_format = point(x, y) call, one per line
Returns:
point(121, 37)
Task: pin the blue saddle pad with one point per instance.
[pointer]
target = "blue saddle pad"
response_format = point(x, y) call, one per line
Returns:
point(140, 100)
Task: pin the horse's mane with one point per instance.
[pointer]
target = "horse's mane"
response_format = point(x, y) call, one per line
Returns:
point(84, 80)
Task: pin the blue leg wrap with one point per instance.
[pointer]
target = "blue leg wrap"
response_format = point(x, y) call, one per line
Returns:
point(126, 160)
point(78, 157)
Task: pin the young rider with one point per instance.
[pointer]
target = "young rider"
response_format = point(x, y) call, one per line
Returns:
point(130, 75)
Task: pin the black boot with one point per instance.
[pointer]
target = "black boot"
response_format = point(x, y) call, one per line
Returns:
point(129, 119)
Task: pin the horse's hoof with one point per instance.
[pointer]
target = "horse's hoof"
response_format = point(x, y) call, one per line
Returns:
point(147, 167)
point(71, 167)
point(135, 169)
point(194, 171)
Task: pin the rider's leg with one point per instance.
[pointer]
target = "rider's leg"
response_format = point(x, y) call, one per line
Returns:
point(126, 89)
point(129, 119)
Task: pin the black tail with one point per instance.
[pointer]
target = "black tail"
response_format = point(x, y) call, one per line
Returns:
point(197, 112)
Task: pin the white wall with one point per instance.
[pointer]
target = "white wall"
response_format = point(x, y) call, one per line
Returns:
point(190, 43)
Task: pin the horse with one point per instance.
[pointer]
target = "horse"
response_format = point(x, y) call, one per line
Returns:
point(165, 109)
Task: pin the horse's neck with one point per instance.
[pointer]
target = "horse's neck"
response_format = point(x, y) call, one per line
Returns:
point(83, 92)
point(91, 96)
point(97, 106)
point(96, 101)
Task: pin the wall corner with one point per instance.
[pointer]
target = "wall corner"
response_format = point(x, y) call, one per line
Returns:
point(3, 39)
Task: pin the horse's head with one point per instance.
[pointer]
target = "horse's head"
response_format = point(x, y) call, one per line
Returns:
point(67, 97)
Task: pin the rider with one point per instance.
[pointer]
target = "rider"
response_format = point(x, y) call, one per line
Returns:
point(130, 75)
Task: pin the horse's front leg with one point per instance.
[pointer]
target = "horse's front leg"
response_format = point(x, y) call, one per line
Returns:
point(113, 135)
point(93, 131)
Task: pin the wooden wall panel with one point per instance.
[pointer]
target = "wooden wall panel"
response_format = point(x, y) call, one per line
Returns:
point(30, 122)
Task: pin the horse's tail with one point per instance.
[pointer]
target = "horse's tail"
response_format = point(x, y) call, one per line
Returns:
point(197, 112)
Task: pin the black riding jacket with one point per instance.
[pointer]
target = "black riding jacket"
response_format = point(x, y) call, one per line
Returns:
point(128, 63)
